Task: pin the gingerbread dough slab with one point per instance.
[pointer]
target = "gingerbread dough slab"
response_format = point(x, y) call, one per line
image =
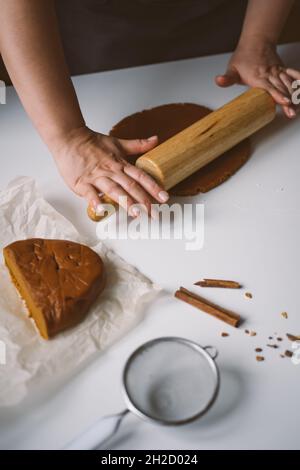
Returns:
point(166, 121)
point(58, 279)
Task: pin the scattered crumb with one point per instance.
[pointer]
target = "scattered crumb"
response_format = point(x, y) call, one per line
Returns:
point(260, 358)
point(288, 353)
point(248, 295)
point(284, 314)
point(250, 332)
point(224, 334)
point(270, 337)
point(293, 337)
point(258, 350)
point(279, 339)
point(275, 346)
point(282, 355)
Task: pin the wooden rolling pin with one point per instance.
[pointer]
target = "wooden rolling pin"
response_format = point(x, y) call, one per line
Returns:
point(199, 144)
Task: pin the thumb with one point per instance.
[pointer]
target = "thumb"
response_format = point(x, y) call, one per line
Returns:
point(230, 77)
point(136, 146)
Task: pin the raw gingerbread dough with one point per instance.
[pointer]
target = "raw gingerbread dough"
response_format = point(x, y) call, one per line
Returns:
point(166, 121)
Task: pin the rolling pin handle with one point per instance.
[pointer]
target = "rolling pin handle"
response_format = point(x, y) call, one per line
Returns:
point(108, 207)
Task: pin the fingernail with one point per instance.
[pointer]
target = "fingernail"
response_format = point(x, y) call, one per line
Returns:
point(99, 209)
point(163, 196)
point(135, 211)
point(286, 100)
point(152, 138)
point(292, 113)
point(94, 205)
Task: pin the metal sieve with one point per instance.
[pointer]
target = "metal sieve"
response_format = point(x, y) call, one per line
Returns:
point(168, 380)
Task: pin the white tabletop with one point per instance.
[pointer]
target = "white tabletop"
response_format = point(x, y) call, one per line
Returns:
point(252, 230)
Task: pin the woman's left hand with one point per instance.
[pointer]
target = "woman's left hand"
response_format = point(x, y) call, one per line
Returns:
point(258, 65)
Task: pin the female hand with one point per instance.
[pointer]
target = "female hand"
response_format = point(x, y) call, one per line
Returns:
point(257, 64)
point(93, 163)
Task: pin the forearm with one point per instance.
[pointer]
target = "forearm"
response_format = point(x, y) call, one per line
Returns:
point(32, 52)
point(264, 20)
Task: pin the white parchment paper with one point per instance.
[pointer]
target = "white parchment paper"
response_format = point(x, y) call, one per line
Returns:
point(29, 358)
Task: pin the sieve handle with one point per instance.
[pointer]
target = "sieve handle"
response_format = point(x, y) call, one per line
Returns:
point(98, 433)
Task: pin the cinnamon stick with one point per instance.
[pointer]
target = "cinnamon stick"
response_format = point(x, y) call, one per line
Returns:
point(208, 307)
point(218, 283)
point(293, 337)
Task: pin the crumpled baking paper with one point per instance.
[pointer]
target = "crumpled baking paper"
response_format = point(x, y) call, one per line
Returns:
point(29, 358)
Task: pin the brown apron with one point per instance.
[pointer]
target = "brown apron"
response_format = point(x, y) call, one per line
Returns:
point(109, 34)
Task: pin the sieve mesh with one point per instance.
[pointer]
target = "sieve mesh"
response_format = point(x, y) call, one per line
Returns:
point(171, 380)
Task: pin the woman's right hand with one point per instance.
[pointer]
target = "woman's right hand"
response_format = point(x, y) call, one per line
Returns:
point(92, 163)
point(89, 162)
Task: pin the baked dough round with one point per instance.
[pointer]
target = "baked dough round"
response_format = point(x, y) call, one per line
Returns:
point(58, 279)
point(166, 121)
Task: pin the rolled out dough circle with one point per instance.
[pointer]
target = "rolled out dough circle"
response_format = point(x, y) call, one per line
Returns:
point(166, 121)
